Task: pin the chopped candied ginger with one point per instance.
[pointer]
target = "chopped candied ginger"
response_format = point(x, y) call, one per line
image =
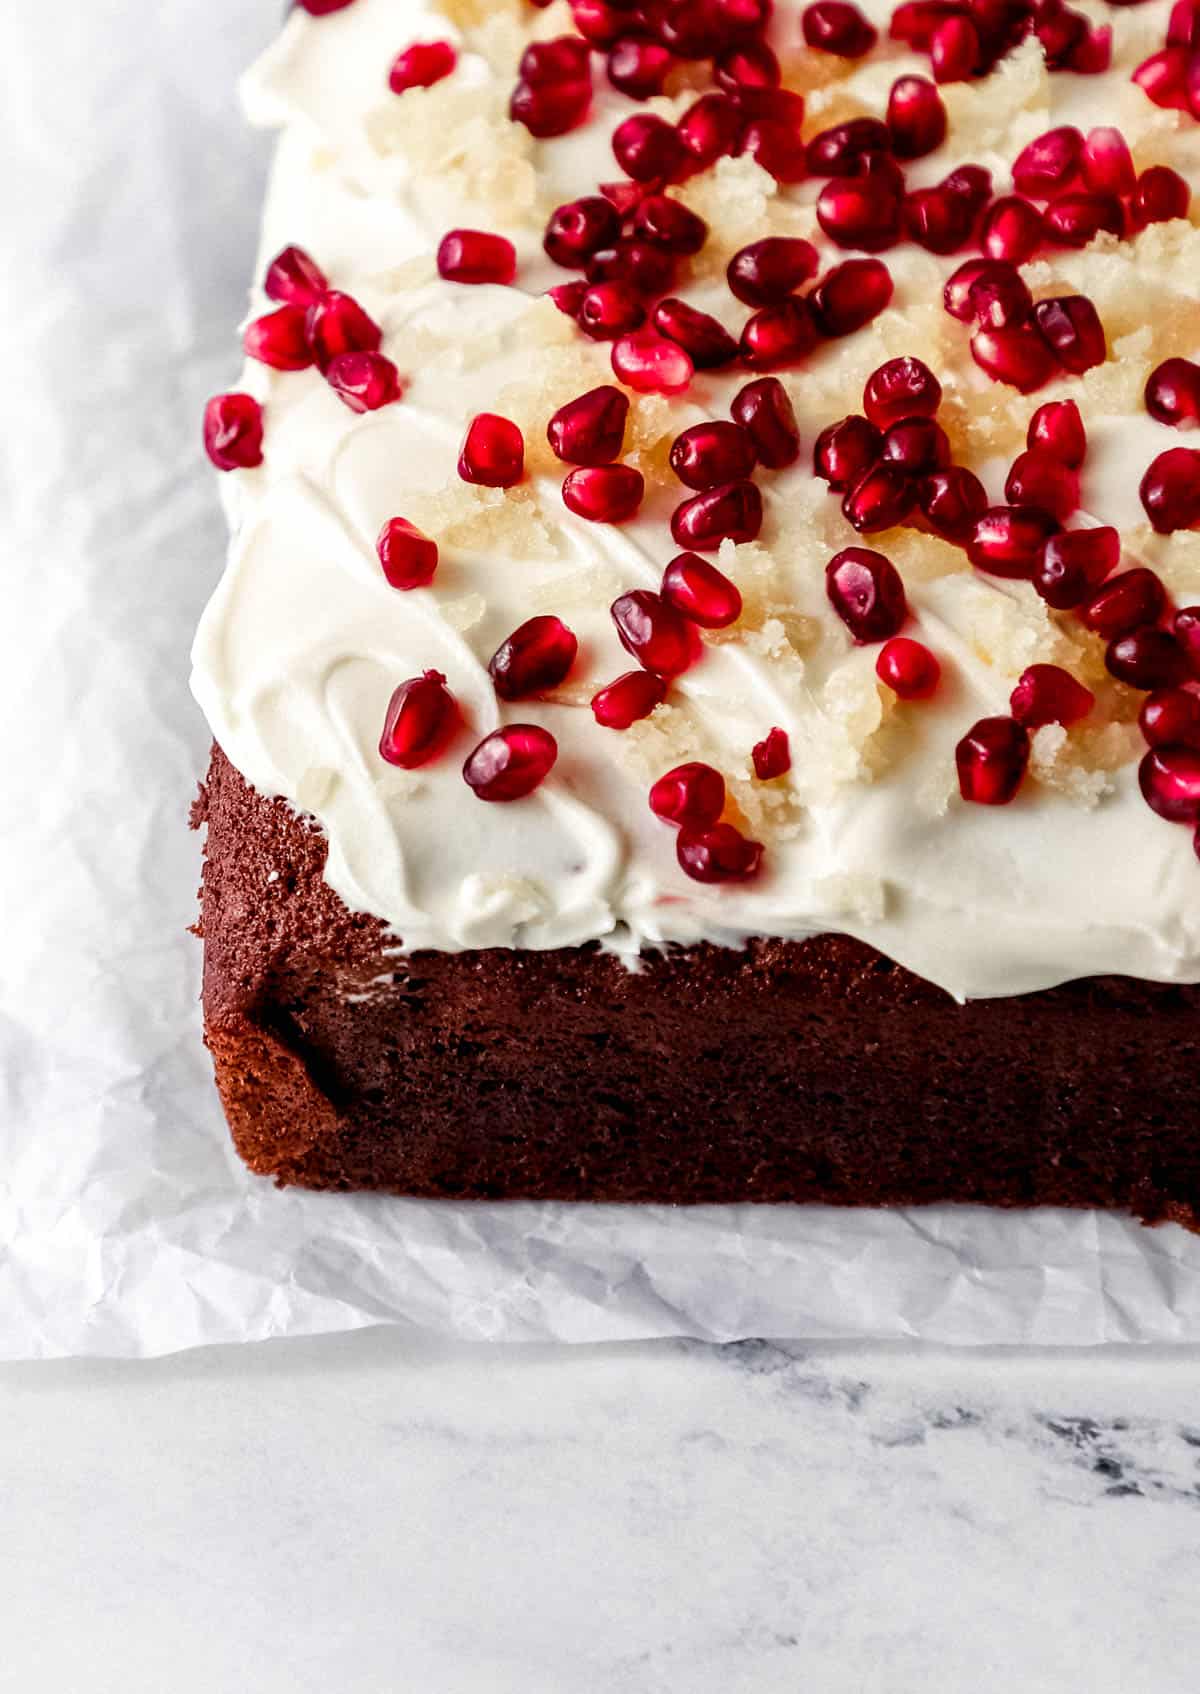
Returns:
point(1006, 109)
point(463, 137)
point(507, 521)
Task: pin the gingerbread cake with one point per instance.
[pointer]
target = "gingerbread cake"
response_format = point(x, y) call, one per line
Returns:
point(706, 685)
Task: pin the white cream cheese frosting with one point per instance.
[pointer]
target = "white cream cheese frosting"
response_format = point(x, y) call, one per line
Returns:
point(304, 640)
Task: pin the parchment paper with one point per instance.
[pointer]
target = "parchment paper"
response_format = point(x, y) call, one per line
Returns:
point(131, 197)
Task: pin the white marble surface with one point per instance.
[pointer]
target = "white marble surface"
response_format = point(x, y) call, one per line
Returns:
point(365, 1515)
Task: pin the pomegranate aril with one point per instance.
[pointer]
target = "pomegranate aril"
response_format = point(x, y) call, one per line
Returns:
point(1169, 778)
point(659, 637)
point(1048, 694)
point(719, 854)
point(778, 336)
point(916, 117)
point(833, 26)
point(493, 452)
point(476, 256)
point(914, 21)
point(638, 68)
point(294, 279)
point(536, 657)
point(951, 500)
point(568, 297)
point(777, 146)
point(628, 699)
point(709, 129)
point(917, 445)
point(1107, 162)
point(1148, 657)
point(1186, 626)
point(337, 324)
point(580, 228)
point(598, 21)
point(880, 500)
point(591, 429)
point(850, 295)
point(639, 265)
point(409, 558)
point(1170, 490)
point(691, 795)
point(421, 65)
point(746, 68)
point(1173, 393)
point(550, 109)
point(954, 49)
point(841, 149)
point(364, 381)
point(647, 148)
point(1170, 717)
point(511, 762)
point(908, 668)
point(1089, 54)
point(1125, 602)
point(772, 757)
point(707, 343)
point(1074, 564)
point(973, 182)
point(992, 759)
point(1183, 25)
point(1073, 220)
point(1008, 540)
point(707, 454)
point(768, 271)
point(669, 223)
point(233, 432)
point(733, 512)
point(1000, 298)
point(1038, 478)
point(866, 592)
point(280, 339)
point(604, 493)
point(1161, 194)
point(1058, 428)
point(650, 364)
point(701, 592)
point(422, 716)
point(1071, 328)
point(765, 412)
point(1016, 356)
point(956, 295)
point(937, 219)
point(1012, 230)
point(862, 212)
point(565, 59)
point(1163, 77)
point(845, 451)
point(609, 310)
point(901, 388)
point(1049, 163)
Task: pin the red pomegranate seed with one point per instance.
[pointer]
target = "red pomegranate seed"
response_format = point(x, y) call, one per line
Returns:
point(604, 493)
point(1090, 54)
point(647, 148)
point(901, 388)
point(609, 310)
point(1047, 165)
point(841, 149)
point(1161, 194)
point(951, 500)
point(701, 592)
point(768, 271)
point(591, 429)
point(862, 212)
point(1048, 694)
point(511, 762)
point(845, 451)
point(409, 558)
point(772, 756)
point(1012, 229)
point(709, 129)
point(954, 49)
point(1147, 658)
point(707, 343)
point(711, 453)
point(627, 700)
point(550, 109)
point(1125, 602)
point(475, 256)
point(568, 297)
point(669, 223)
point(1163, 77)
point(421, 65)
point(691, 795)
point(719, 854)
point(337, 324)
point(1074, 564)
point(638, 68)
point(766, 414)
point(364, 381)
point(778, 336)
point(1171, 718)
point(777, 146)
point(1183, 26)
point(908, 668)
point(731, 513)
point(650, 364)
point(1058, 428)
point(565, 59)
point(866, 592)
point(747, 68)
point(579, 229)
point(1187, 633)
point(1107, 163)
point(280, 339)
point(535, 658)
point(937, 219)
point(1000, 297)
point(493, 453)
point(1173, 393)
point(322, 8)
point(1071, 328)
point(233, 432)
point(1170, 490)
point(850, 295)
point(659, 637)
point(833, 26)
point(992, 758)
point(973, 182)
point(1017, 356)
point(294, 279)
point(1008, 540)
point(1075, 219)
point(1038, 478)
point(640, 265)
point(598, 21)
point(916, 117)
point(915, 21)
point(917, 445)
point(880, 500)
point(422, 716)
point(1169, 778)
point(956, 295)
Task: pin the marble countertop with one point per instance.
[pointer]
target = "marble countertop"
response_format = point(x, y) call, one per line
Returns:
point(367, 1514)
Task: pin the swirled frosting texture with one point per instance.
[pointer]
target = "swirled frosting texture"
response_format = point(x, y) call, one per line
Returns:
point(304, 641)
